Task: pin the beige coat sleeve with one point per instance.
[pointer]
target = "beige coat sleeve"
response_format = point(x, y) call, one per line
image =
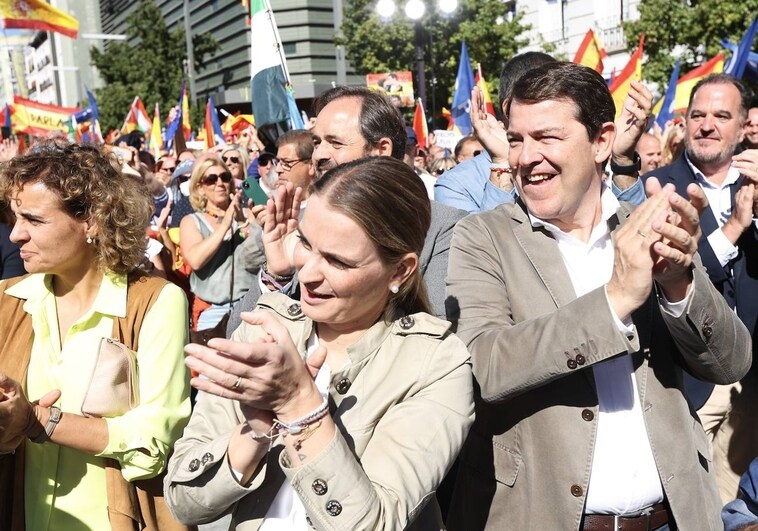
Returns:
point(412, 447)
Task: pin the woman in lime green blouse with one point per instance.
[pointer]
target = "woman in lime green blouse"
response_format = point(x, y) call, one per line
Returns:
point(81, 228)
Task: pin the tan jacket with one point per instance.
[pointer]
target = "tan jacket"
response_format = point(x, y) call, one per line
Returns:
point(527, 462)
point(403, 409)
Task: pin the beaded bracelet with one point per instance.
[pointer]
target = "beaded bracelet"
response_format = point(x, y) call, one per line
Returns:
point(296, 426)
point(279, 281)
point(499, 169)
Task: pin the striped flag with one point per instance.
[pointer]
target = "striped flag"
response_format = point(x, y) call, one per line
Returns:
point(156, 140)
point(213, 133)
point(137, 118)
point(268, 68)
point(37, 15)
point(39, 119)
point(591, 52)
point(688, 81)
point(420, 126)
point(480, 82)
point(184, 104)
point(631, 72)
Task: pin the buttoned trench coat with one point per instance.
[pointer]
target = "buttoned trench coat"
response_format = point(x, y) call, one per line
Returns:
point(403, 408)
point(527, 462)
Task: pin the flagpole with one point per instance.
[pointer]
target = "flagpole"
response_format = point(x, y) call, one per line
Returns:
point(279, 46)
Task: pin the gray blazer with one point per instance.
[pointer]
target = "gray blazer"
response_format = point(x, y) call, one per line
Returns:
point(526, 464)
point(432, 262)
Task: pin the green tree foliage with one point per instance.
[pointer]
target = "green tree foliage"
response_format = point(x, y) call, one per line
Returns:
point(691, 30)
point(151, 68)
point(376, 45)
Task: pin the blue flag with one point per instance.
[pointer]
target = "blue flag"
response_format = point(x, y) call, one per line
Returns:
point(665, 113)
point(464, 84)
point(739, 60)
point(296, 120)
point(90, 112)
point(175, 124)
point(751, 69)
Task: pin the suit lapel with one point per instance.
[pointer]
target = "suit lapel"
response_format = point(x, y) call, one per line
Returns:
point(542, 250)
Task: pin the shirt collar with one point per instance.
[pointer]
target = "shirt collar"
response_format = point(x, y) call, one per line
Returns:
point(608, 207)
point(731, 177)
point(110, 300)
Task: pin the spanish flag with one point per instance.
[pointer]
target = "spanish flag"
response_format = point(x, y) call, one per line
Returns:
point(38, 119)
point(480, 82)
point(37, 15)
point(419, 125)
point(688, 81)
point(591, 52)
point(631, 72)
point(156, 139)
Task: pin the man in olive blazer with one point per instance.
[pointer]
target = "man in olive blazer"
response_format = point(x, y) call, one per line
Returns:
point(539, 348)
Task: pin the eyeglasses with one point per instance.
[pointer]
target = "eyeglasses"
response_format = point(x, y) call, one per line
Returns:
point(212, 178)
point(235, 160)
point(287, 165)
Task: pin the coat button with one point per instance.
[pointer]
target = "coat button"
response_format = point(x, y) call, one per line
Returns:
point(580, 360)
point(588, 415)
point(407, 322)
point(194, 465)
point(319, 487)
point(343, 385)
point(576, 491)
point(707, 331)
point(571, 364)
point(333, 507)
point(294, 309)
point(207, 457)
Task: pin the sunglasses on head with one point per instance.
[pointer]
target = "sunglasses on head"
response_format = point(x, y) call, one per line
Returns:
point(211, 178)
point(235, 160)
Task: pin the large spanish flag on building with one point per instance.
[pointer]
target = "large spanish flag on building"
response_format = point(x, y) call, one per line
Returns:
point(38, 119)
point(631, 72)
point(591, 52)
point(37, 15)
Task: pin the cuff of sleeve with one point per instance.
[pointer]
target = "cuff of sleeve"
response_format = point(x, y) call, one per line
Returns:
point(265, 289)
point(341, 482)
point(139, 458)
point(625, 327)
point(722, 247)
point(676, 309)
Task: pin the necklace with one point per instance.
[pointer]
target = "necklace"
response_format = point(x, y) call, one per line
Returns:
point(218, 214)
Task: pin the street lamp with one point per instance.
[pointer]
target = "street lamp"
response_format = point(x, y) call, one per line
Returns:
point(415, 11)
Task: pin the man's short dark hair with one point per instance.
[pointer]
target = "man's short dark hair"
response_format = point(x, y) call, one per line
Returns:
point(725, 79)
point(568, 81)
point(378, 119)
point(302, 139)
point(517, 66)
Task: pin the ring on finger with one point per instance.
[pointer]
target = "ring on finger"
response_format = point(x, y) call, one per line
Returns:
point(642, 234)
point(237, 383)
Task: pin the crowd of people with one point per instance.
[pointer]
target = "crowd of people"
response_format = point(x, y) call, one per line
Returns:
point(549, 325)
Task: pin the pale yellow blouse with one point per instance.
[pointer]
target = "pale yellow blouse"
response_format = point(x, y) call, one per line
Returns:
point(65, 488)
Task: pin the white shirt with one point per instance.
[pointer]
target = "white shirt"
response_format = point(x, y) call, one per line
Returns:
point(720, 203)
point(287, 512)
point(624, 478)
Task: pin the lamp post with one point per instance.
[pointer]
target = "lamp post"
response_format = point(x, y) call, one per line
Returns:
point(415, 11)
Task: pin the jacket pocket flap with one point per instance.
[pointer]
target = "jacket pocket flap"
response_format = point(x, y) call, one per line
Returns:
point(507, 465)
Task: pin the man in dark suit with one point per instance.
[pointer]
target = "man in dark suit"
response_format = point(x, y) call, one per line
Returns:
point(581, 316)
point(355, 122)
point(716, 117)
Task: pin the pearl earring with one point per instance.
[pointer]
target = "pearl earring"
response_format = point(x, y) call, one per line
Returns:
point(394, 288)
point(89, 239)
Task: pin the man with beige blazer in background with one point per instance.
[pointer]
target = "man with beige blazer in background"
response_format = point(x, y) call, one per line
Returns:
point(581, 316)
